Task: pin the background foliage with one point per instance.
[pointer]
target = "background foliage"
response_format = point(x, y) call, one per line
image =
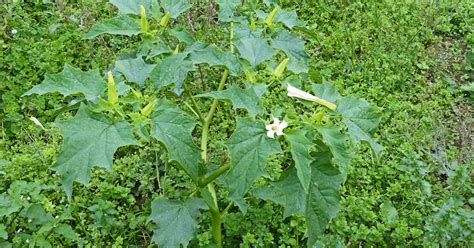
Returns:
point(413, 60)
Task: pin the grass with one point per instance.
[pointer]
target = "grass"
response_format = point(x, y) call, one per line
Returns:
point(407, 58)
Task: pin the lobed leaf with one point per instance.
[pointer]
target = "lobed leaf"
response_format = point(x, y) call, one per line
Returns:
point(293, 47)
point(71, 81)
point(213, 56)
point(175, 7)
point(300, 147)
point(360, 119)
point(121, 25)
point(337, 143)
point(249, 149)
point(248, 98)
point(254, 49)
point(135, 70)
point(226, 9)
point(133, 6)
point(176, 221)
point(287, 191)
point(170, 70)
point(173, 127)
point(90, 139)
point(323, 198)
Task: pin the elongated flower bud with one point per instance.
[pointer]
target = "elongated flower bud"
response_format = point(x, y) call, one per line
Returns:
point(253, 26)
point(137, 94)
point(146, 111)
point(176, 50)
point(112, 90)
point(280, 68)
point(249, 76)
point(271, 17)
point(143, 20)
point(295, 92)
point(164, 20)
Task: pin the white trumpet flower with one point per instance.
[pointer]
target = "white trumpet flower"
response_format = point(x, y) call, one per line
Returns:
point(295, 92)
point(276, 127)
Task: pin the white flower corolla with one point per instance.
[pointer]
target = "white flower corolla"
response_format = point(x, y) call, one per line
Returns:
point(14, 31)
point(276, 127)
point(295, 92)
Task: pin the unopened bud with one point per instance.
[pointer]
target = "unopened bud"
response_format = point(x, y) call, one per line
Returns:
point(271, 17)
point(249, 76)
point(280, 68)
point(137, 94)
point(112, 93)
point(146, 111)
point(143, 20)
point(164, 20)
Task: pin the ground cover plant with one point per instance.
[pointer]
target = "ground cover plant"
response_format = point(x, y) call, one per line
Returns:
point(416, 192)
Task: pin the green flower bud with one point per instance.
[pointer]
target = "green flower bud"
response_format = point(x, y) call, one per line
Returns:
point(143, 20)
point(280, 68)
point(271, 17)
point(112, 92)
point(146, 111)
point(164, 20)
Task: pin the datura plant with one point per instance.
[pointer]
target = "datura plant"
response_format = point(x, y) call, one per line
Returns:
point(147, 99)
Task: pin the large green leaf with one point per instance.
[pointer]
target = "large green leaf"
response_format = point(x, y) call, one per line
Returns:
point(361, 119)
point(288, 18)
point(90, 139)
point(293, 46)
point(37, 215)
point(134, 70)
point(327, 92)
point(254, 49)
point(170, 70)
point(173, 127)
point(226, 9)
point(133, 6)
point(300, 147)
point(121, 25)
point(70, 81)
point(213, 56)
point(175, 7)
point(287, 191)
point(176, 221)
point(248, 98)
point(337, 143)
point(249, 149)
point(323, 198)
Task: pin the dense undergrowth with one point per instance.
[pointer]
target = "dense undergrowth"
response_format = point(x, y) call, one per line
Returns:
point(413, 60)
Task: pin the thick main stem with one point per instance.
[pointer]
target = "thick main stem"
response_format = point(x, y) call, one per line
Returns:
point(216, 227)
point(207, 121)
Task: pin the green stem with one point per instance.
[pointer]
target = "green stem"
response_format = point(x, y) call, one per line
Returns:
point(214, 175)
point(207, 121)
point(195, 106)
point(216, 227)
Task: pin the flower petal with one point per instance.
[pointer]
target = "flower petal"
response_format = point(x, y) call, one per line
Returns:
point(271, 134)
